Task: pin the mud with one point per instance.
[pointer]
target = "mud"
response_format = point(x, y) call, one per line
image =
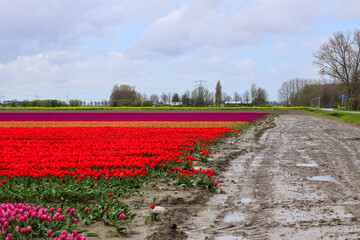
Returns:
point(299, 179)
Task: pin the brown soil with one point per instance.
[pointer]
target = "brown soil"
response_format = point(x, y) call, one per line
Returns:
point(297, 180)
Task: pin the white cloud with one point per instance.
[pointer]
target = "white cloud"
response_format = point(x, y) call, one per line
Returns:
point(314, 44)
point(283, 50)
point(348, 9)
point(273, 70)
point(90, 78)
point(246, 65)
point(194, 26)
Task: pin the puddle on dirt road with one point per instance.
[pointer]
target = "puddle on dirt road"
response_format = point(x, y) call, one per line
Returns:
point(235, 217)
point(322, 178)
point(307, 165)
point(229, 237)
point(246, 200)
point(256, 162)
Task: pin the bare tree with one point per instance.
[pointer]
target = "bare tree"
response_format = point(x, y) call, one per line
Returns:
point(253, 90)
point(288, 93)
point(164, 98)
point(237, 97)
point(212, 97)
point(154, 98)
point(339, 58)
point(144, 97)
point(185, 98)
point(261, 97)
point(169, 97)
point(246, 96)
point(226, 97)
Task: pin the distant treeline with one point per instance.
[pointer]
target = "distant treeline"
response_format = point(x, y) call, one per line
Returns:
point(314, 93)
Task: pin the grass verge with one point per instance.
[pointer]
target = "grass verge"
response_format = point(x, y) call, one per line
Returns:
point(353, 118)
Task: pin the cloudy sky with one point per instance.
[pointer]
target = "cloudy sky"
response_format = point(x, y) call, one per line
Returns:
point(51, 49)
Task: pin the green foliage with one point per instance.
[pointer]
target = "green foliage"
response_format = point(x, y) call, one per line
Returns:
point(343, 116)
point(304, 96)
point(218, 92)
point(75, 103)
point(13, 103)
point(152, 217)
point(201, 97)
point(353, 104)
point(123, 92)
point(175, 98)
point(147, 104)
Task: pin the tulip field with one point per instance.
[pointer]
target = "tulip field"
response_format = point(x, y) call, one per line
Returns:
point(59, 171)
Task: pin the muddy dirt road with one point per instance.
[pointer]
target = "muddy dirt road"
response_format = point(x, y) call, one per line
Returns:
point(298, 180)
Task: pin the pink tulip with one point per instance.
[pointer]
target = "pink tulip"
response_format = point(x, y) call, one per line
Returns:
point(49, 233)
point(122, 216)
point(76, 220)
point(9, 236)
point(28, 229)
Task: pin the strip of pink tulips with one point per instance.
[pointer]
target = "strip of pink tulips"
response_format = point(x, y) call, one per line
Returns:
point(14, 217)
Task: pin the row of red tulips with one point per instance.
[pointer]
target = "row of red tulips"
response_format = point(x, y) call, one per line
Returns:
point(94, 152)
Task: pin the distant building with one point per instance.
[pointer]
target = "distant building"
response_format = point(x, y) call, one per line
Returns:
point(237, 103)
point(175, 104)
